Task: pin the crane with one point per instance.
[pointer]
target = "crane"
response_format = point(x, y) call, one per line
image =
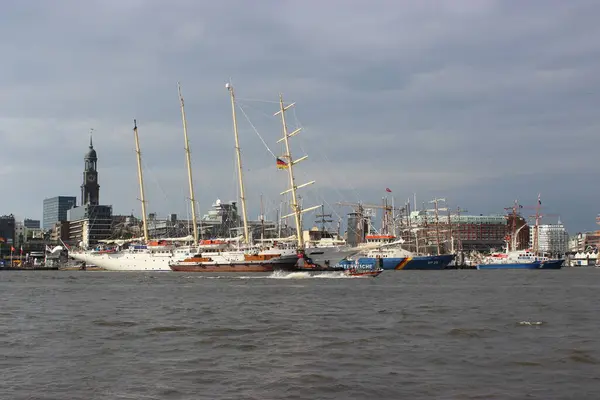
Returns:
point(515, 212)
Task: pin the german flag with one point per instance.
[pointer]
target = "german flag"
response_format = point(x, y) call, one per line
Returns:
point(281, 164)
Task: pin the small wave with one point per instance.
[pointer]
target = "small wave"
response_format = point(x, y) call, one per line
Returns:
point(116, 324)
point(475, 332)
point(336, 275)
point(289, 275)
point(527, 363)
point(308, 275)
point(202, 276)
point(529, 323)
point(583, 357)
point(161, 329)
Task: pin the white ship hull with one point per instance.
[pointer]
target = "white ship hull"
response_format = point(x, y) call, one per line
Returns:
point(144, 260)
point(331, 254)
point(132, 261)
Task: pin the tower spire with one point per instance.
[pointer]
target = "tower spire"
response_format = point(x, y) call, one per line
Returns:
point(91, 144)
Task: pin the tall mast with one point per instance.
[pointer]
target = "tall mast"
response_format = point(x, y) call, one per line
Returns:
point(323, 218)
point(437, 209)
point(239, 163)
point(296, 209)
point(262, 218)
point(450, 233)
point(141, 179)
point(189, 165)
point(537, 226)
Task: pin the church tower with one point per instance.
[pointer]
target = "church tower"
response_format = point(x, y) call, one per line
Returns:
point(90, 190)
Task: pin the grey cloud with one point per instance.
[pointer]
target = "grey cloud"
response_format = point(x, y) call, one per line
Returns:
point(454, 98)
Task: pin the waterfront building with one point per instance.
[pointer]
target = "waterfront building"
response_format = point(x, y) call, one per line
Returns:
point(31, 223)
point(471, 232)
point(553, 239)
point(60, 232)
point(584, 242)
point(27, 230)
point(55, 210)
point(7, 230)
point(90, 222)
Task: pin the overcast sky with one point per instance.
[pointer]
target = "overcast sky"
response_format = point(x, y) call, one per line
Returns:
point(481, 102)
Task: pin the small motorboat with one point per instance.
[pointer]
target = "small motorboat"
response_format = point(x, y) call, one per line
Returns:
point(364, 272)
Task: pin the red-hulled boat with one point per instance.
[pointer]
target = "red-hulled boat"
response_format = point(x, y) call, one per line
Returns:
point(231, 262)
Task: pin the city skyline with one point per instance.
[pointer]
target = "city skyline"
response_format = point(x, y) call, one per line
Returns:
point(481, 102)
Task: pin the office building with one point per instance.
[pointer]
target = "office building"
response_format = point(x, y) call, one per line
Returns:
point(55, 210)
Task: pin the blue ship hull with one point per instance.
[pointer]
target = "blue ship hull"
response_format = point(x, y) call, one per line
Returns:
point(408, 263)
point(552, 264)
point(530, 265)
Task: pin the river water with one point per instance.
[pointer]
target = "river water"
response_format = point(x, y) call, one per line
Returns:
point(455, 334)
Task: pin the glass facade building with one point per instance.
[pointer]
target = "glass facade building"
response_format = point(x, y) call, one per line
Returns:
point(7, 230)
point(31, 223)
point(55, 209)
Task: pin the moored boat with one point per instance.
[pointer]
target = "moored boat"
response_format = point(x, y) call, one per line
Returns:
point(391, 256)
point(521, 259)
point(522, 265)
point(552, 264)
point(236, 262)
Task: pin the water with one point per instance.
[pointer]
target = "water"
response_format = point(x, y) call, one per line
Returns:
point(403, 335)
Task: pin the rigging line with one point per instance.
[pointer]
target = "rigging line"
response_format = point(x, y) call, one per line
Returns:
point(324, 155)
point(268, 117)
point(256, 131)
point(154, 178)
point(318, 197)
point(259, 100)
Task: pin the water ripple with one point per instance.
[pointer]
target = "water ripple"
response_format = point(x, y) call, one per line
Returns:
point(414, 335)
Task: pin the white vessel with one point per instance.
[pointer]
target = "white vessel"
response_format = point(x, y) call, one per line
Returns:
point(146, 255)
point(154, 256)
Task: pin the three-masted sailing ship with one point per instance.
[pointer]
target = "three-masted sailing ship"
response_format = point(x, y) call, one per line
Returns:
point(228, 256)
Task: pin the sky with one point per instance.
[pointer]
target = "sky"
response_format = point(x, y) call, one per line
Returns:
point(479, 102)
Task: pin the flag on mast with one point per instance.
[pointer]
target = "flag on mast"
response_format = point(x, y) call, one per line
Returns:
point(281, 164)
